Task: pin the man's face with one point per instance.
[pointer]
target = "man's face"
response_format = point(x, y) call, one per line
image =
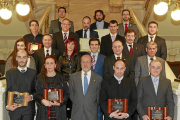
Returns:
point(152, 29)
point(65, 25)
point(94, 46)
point(61, 13)
point(125, 16)
point(119, 69)
point(130, 37)
point(34, 27)
point(117, 47)
point(21, 59)
point(151, 50)
point(47, 41)
point(86, 23)
point(113, 28)
point(155, 69)
point(99, 17)
point(86, 63)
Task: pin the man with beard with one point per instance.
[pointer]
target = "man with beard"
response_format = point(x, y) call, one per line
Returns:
point(21, 79)
point(86, 32)
point(127, 25)
point(152, 37)
point(100, 23)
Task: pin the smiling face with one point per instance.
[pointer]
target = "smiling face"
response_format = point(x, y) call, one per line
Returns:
point(113, 28)
point(130, 37)
point(86, 23)
point(86, 63)
point(94, 46)
point(22, 58)
point(21, 46)
point(47, 41)
point(50, 65)
point(117, 48)
point(155, 68)
point(119, 69)
point(65, 25)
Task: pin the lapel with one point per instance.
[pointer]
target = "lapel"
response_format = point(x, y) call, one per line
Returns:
point(43, 54)
point(121, 27)
point(98, 61)
point(130, 26)
point(79, 81)
point(146, 41)
point(145, 62)
point(135, 48)
point(110, 40)
point(91, 33)
point(53, 52)
point(160, 86)
point(57, 25)
point(150, 84)
point(156, 39)
point(125, 49)
point(124, 57)
point(91, 83)
point(81, 33)
point(28, 84)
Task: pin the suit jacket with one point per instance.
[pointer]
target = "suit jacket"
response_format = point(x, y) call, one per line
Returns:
point(110, 89)
point(54, 27)
point(138, 50)
point(94, 27)
point(84, 105)
point(92, 33)
point(106, 44)
point(161, 45)
point(99, 65)
point(131, 26)
point(148, 98)
point(142, 69)
point(58, 42)
point(109, 63)
point(39, 58)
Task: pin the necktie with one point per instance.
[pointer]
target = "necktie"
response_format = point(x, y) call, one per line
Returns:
point(119, 81)
point(151, 59)
point(151, 38)
point(118, 58)
point(85, 83)
point(113, 38)
point(126, 28)
point(156, 85)
point(93, 61)
point(85, 33)
point(47, 52)
point(131, 50)
point(23, 71)
point(65, 37)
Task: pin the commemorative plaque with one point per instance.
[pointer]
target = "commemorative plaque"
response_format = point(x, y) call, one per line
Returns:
point(53, 95)
point(34, 46)
point(157, 113)
point(117, 104)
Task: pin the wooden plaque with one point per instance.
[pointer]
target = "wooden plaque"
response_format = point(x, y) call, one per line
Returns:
point(123, 102)
point(34, 46)
point(60, 94)
point(157, 113)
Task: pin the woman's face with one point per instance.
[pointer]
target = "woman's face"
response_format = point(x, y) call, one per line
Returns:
point(20, 46)
point(70, 46)
point(50, 65)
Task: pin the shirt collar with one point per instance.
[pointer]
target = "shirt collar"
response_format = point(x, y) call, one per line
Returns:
point(153, 78)
point(87, 30)
point(118, 79)
point(126, 23)
point(100, 22)
point(129, 44)
point(96, 54)
point(112, 34)
point(22, 69)
point(65, 32)
point(150, 57)
point(88, 73)
point(118, 56)
point(151, 35)
point(47, 49)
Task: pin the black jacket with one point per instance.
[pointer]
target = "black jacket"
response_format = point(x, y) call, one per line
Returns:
point(94, 27)
point(92, 33)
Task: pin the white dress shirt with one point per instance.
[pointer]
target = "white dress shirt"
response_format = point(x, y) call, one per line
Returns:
point(150, 60)
point(88, 78)
point(113, 35)
point(156, 84)
point(100, 25)
point(87, 33)
point(96, 56)
point(118, 79)
point(149, 39)
point(129, 46)
point(45, 51)
point(118, 56)
point(67, 34)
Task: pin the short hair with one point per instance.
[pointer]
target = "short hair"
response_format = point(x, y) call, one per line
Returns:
point(87, 17)
point(100, 12)
point(125, 10)
point(156, 60)
point(62, 8)
point(87, 55)
point(47, 35)
point(113, 22)
point(121, 61)
point(33, 21)
point(94, 39)
point(117, 40)
point(129, 31)
point(67, 20)
point(152, 22)
point(151, 43)
point(22, 51)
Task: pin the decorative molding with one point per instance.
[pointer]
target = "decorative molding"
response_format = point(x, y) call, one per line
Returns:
point(115, 9)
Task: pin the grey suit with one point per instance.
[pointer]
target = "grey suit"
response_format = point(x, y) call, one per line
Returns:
point(142, 69)
point(131, 26)
point(84, 106)
point(148, 98)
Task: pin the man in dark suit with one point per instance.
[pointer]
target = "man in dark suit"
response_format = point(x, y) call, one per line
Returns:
point(60, 37)
point(119, 87)
point(155, 91)
point(100, 23)
point(152, 37)
point(86, 32)
point(130, 48)
point(109, 61)
point(106, 41)
point(84, 90)
point(55, 25)
point(40, 54)
point(21, 79)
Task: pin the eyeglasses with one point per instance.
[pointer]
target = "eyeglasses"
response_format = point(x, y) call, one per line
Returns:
point(65, 24)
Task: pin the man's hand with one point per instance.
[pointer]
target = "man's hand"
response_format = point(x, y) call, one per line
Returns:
point(46, 102)
point(28, 98)
point(115, 114)
point(168, 118)
point(31, 52)
point(145, 117)
point(55, 103)
point(11, 107)
point(123, 115)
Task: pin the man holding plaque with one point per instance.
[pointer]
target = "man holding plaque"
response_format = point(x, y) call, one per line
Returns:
point(118, 87)
point(22, 80)
point(155, 91)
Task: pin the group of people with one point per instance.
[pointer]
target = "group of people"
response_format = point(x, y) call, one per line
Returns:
point(125, 68)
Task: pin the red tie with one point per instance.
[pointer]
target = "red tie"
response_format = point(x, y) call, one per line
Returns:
point(118, 58)
point(131, 50)
point(126, 28)
point(151, 39)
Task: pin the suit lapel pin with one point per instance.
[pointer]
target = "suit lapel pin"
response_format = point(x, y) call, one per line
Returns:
point(94, 80)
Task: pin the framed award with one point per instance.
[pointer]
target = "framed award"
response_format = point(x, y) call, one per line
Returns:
point(117, 104)
point(157, 113)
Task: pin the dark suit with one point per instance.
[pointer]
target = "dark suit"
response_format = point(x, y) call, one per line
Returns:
point(92, 34)
point(110, 89)
point(161, 45)
point(94, 27)
point(138, 50)
point(39, 57)
point(148, 98)
point(106, 44)
point(58, 42)
point(109, 63)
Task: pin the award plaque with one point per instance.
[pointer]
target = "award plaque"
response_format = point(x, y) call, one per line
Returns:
point(117, 104)
point(34, 46)
point(157, 113)
point(53, 95)
point(84, 44)
point(16, 98)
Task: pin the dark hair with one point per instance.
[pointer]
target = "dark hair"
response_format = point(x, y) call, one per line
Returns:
point(152, 22)
point(125, 10)
point(100, 12)
point(33, 21)
point(121, 61)
point(129, 31)
point(62, 8)
point(44, 70)
point(75, 47)
point(47, 35)
point(94, 39)
point(113, 22)
point(87, 17)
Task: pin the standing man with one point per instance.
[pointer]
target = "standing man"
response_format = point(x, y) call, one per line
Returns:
point(152, 37)
point(59, 38)
point(86, 32)
point(130, 48)
point(100, 23)
point(125, 25)
point(40, 54)
point(155, 90)
point(84, 89)
point(56, 24)
point(21, 79)
point(107, 40)
point(119, 87)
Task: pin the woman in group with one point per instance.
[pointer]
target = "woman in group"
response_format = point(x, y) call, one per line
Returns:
point(50, 78)
point(20, 44)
